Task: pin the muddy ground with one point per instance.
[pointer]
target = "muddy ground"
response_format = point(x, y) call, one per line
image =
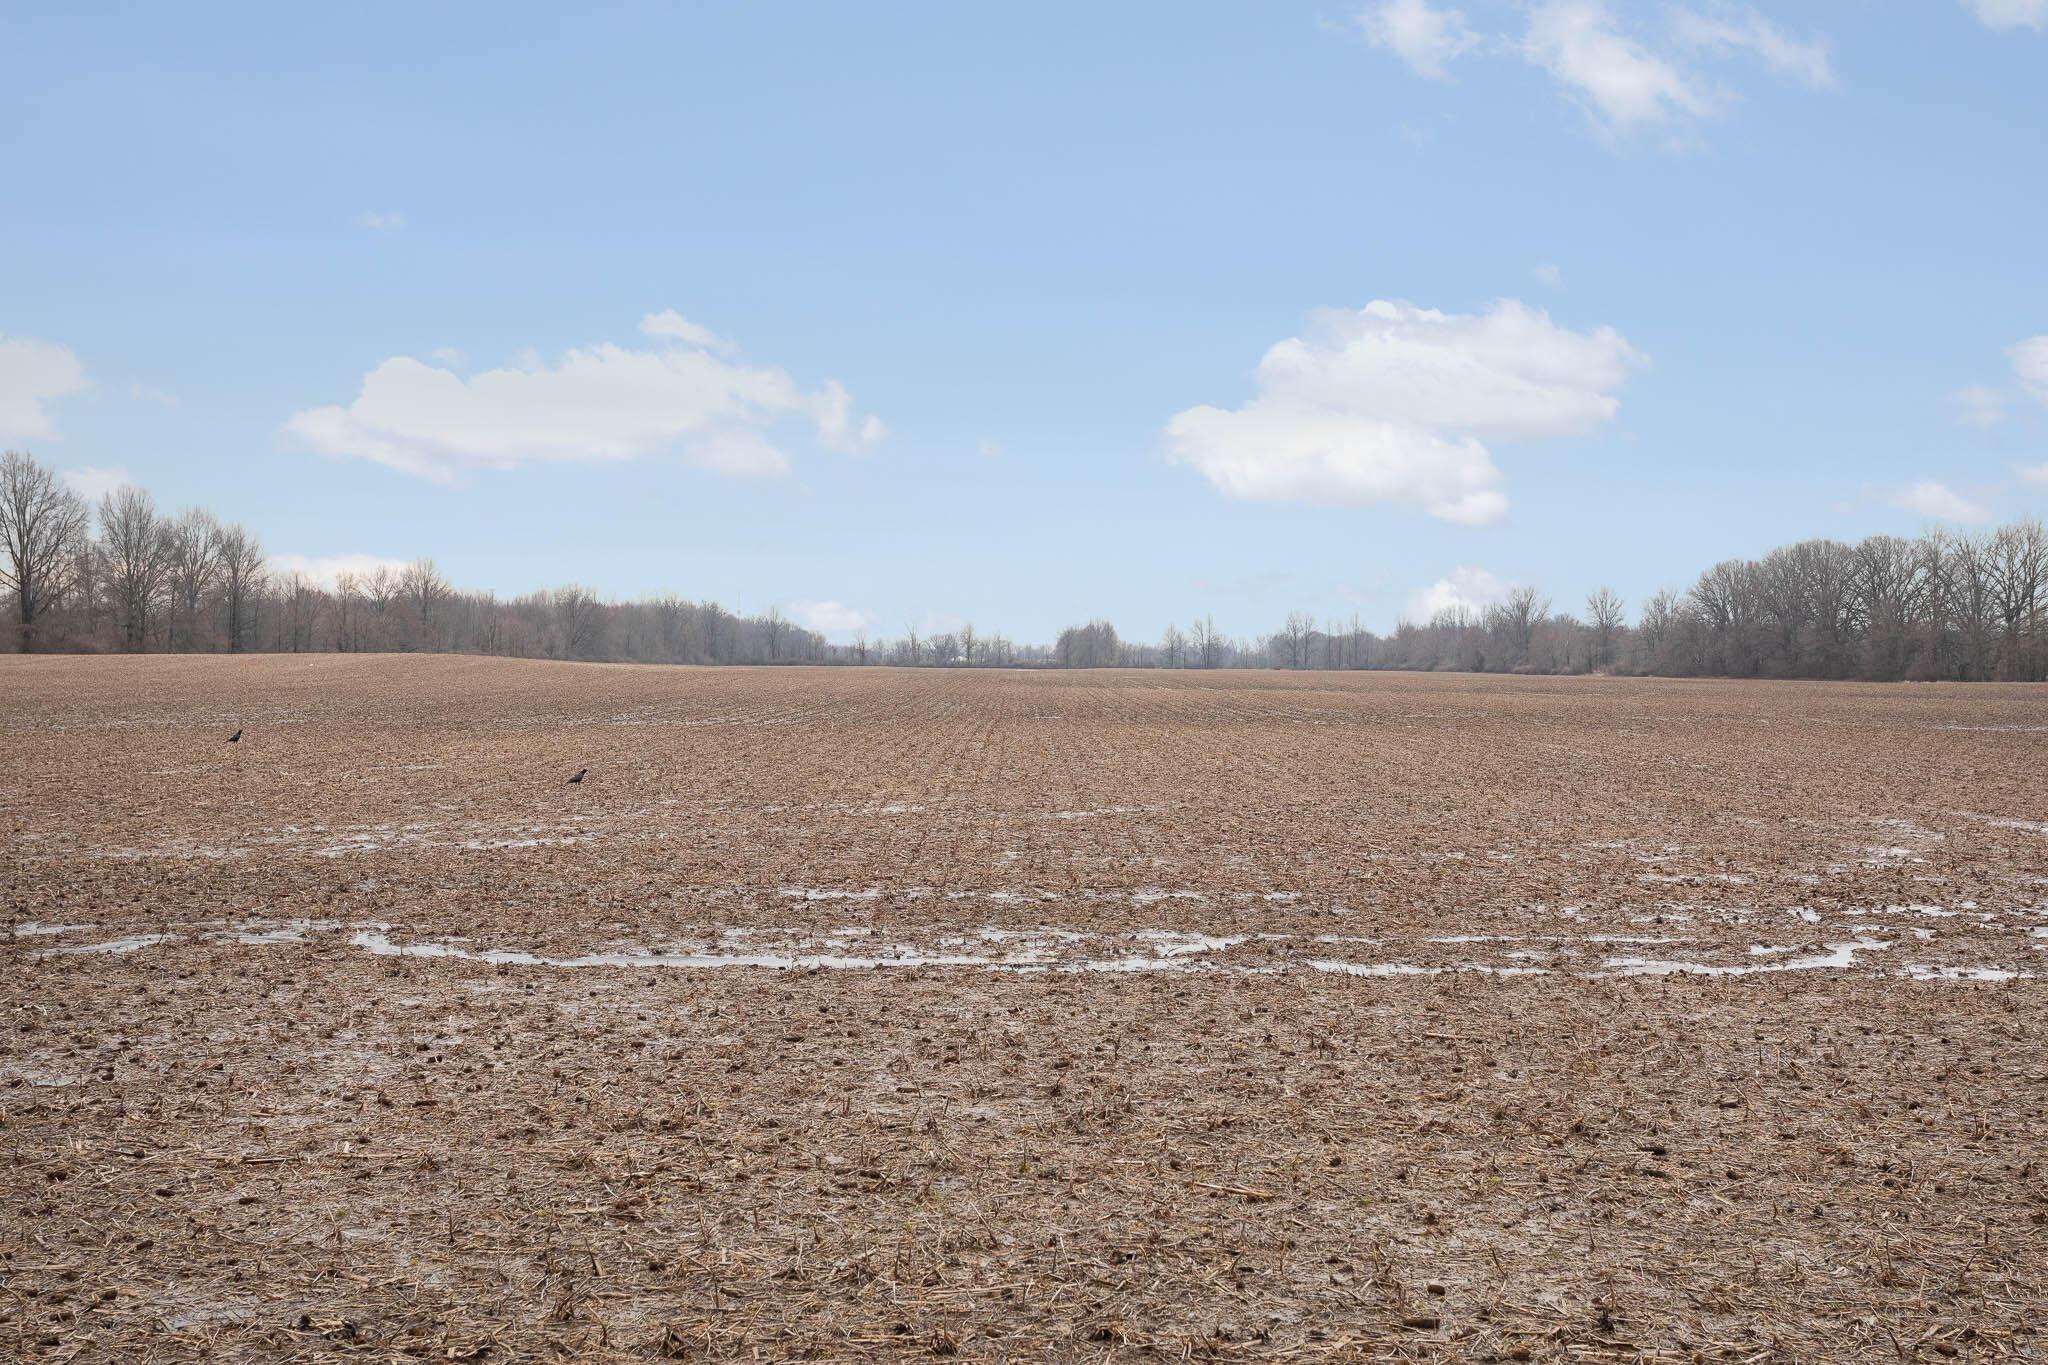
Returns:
point(856, 1014)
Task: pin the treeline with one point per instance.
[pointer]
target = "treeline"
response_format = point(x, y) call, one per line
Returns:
point(1942, 606)
point(121, 574)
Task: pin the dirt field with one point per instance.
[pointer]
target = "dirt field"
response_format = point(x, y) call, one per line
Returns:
point(1100, 1016)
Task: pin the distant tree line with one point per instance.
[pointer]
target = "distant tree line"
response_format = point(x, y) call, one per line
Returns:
point(123, 575)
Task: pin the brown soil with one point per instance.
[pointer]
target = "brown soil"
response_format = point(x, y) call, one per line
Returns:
point(854, 1014)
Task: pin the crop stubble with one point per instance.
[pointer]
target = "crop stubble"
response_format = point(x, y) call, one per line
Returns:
point(1295, 1016)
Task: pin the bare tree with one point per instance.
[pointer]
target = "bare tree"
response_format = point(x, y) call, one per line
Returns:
point(192, 569)
point(1603, 618)
point(348, 593)
point(1094, 645)
point(241, 580)
point(423, 589)
point(1294, 639)
point(967, 643)
point(2019, 574)
point(579, 620)
point(42, 534)
point(132, 542)
point(1173, 647)
point(301, 609)
point(1208, 643)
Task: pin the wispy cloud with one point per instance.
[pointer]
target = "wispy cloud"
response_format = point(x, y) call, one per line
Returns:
point(829, 618)
point(2002, 14)
point(325, 571)
point(32, 375)
point(1980, 405)
point(1625, 78)
point(1931, 498)
point(1729, 31)
point(92, 482)
point(1422, 35)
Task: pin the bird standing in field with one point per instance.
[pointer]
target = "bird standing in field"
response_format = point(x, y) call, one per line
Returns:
point(579, 776)
point(235, 738)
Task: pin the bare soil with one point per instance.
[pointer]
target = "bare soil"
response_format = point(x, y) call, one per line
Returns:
point(868, 1014)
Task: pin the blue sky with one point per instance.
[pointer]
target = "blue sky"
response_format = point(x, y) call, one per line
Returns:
point(1019, 314)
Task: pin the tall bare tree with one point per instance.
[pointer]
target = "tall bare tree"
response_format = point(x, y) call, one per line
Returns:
point(1603, 618)
point(241, 582)
point(42, 534)
point(133, 543)
point(192, 571)
point(1173, 647)
point(423, 589)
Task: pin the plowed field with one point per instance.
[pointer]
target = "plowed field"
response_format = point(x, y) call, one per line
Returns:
point(906, 1014)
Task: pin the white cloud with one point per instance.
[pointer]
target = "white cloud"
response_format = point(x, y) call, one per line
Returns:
point(31, 374)
point(1929, 498)
point(2032, 473)
point(604, 402)
point(670, 325)
point(93, 483)
point(2030, 363)
point(746, 454)
point(832, 409)
point(1391, 404)
point(829, 618)
point(150, 393)
point(383, 224)
point(1624, 80)
point(1730, 31)
point(1979, 405)
point(2031, 14)
point(323, 570)
point(1464, 588)
point(1618, 79)
point(1550, 275)
point(1426, 38)
point(989, 448)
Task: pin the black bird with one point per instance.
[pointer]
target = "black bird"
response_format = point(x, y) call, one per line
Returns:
point(579, 776)
point(235, 738)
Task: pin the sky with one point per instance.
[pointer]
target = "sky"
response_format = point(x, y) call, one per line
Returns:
point(893, 314)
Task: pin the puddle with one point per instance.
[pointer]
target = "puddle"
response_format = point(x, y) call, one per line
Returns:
point(1838, 956)
point(133, 943)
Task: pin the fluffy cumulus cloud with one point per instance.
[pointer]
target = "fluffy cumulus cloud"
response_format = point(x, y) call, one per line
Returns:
point(1394, 403)
point(2032, 473)
point(2031, 14)
point(92, 482)
point(683, 391)
point(1462, 589)
point(829, 618)
point(1425, 37)
point(326, 570)
point(32, 373)
point(1930, 498)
